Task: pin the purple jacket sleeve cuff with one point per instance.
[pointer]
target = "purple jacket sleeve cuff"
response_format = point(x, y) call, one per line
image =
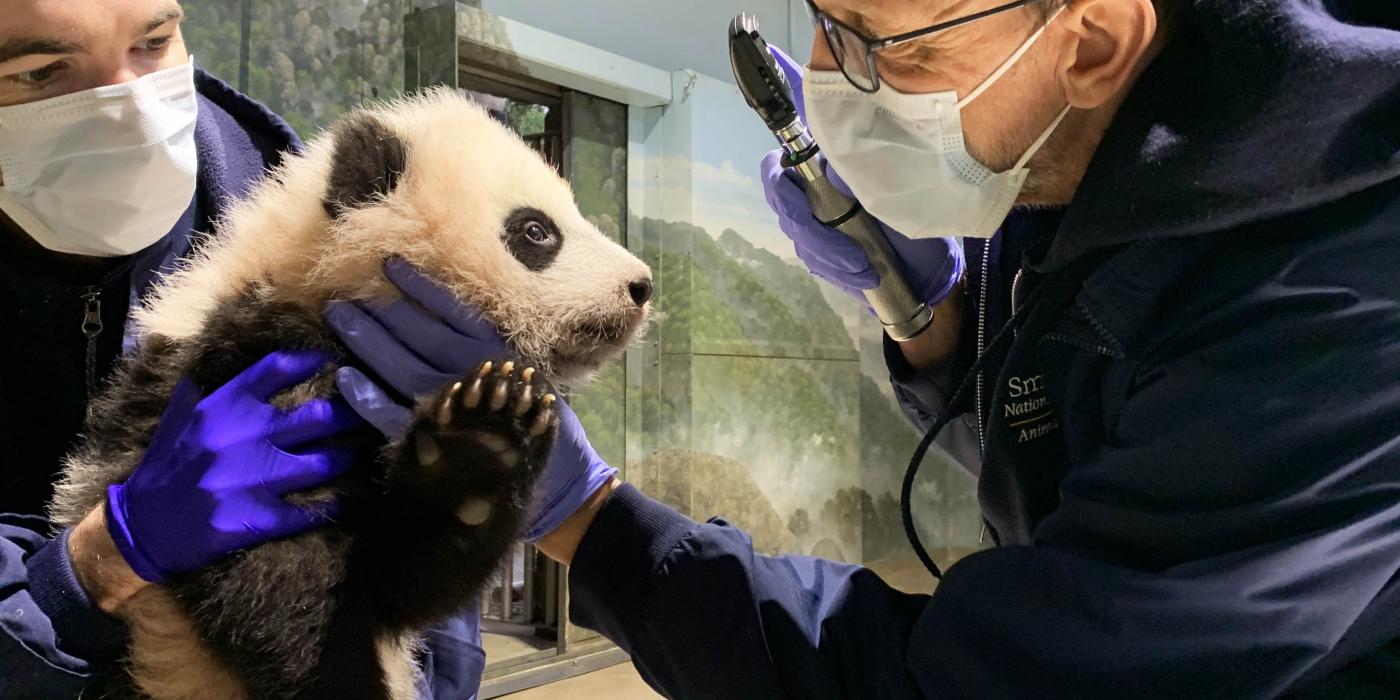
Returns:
point(83, 630)
point(617, 564)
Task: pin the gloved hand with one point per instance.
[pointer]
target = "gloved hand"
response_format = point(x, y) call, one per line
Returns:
point(932, 266)
point(428, 340)
point(211, 482)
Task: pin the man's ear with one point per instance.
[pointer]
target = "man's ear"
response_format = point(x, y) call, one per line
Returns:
point(367, 161)
point(1112, 41)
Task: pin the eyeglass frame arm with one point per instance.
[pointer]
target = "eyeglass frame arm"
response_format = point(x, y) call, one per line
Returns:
point(872, 45)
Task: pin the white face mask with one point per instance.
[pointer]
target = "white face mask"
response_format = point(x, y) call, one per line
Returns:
point(905, 159)
point(103, 172)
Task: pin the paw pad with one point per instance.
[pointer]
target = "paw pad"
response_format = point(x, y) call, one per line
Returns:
point(495, 419)
point(474, 511)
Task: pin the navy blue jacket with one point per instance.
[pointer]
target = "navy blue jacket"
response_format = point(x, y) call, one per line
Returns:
point(1192, 435)
point(52, 639)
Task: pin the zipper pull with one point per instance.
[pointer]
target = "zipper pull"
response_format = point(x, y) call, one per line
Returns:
point(92, 327)
point(92, 313)
point(1016, 291)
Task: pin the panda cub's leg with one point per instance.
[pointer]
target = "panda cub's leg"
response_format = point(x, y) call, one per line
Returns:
point(458, 491)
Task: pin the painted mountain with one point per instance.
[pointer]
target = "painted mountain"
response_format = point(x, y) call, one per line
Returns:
point(776, 385)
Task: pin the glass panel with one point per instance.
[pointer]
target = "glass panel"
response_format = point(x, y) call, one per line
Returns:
point(772, 402)
point(750, 296)
point(777, 452)
point(213, 33)
point(596, 167)
point(307, 60)
point(945, 495)
point(595, 164)
point(302, 65)
point(519, 624)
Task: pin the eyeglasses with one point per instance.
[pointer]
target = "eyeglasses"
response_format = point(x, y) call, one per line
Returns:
point(855, 53)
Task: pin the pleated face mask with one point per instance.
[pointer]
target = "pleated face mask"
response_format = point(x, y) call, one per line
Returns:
point(103, 172)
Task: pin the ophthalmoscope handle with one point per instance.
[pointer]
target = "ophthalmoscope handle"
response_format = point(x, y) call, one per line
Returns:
point(901, 313)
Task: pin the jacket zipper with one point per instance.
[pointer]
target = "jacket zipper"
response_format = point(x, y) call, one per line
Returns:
point(92, 328)
point(982, 335)
point(982, 342)
point(982, 347)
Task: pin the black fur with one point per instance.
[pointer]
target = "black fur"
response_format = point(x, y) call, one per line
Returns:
point(299, 618)
point(532, 238)
point(368, 160)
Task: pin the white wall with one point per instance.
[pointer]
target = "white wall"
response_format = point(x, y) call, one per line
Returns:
point(668, 34)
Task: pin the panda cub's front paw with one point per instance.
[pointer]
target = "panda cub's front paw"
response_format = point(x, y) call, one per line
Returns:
point(482, 441)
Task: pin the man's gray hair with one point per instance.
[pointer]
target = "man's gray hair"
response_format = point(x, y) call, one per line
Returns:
point(1166, 9)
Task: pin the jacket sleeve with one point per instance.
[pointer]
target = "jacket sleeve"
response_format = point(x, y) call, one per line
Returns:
point(703, 616)
point(52, 638)
point(924, 396)
point(1235, 536)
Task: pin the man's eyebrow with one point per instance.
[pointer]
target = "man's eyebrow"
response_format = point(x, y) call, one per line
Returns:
point(19, 48)
point(959, 8)
point(159, 20)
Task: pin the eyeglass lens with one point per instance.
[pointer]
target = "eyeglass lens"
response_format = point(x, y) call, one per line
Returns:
point(850, 53)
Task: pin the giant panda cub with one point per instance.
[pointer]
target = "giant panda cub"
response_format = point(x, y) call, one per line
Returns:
point(337, 613)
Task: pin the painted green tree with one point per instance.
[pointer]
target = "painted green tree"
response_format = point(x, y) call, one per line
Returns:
point(307, 60)
point(212, 30)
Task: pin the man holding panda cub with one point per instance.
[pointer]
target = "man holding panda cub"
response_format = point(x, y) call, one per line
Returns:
point(1178, 358)
point(115, 149)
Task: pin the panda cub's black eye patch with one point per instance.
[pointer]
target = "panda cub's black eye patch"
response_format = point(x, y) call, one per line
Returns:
point(532, 238)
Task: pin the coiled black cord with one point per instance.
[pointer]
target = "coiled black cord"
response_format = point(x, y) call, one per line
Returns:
point(953, 410)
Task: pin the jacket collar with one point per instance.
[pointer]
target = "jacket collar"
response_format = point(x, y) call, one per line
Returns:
point(1117, 300)
point(1254, 109)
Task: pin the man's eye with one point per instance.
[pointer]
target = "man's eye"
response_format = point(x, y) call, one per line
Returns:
point(39, 77)
point(155, 44)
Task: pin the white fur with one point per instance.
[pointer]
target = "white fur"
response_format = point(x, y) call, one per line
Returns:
point(397, 656)
point(466, 173)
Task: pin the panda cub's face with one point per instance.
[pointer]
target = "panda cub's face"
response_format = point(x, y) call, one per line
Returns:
point(437, 181)
point(602, 292)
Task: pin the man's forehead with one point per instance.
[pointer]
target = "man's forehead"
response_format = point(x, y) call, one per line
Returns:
point(879, 19)
point(64, 15)
point(44, 27)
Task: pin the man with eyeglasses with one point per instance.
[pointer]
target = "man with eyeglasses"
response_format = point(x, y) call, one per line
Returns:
point(1170, 358)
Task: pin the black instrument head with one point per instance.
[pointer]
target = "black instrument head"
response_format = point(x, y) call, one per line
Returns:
point(758, 75)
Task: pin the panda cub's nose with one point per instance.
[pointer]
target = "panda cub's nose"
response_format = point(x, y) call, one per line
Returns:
point(640, 291)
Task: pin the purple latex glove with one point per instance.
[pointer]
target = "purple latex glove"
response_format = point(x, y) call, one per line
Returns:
point(932, 266)
point(212, 481)
point(428, 340)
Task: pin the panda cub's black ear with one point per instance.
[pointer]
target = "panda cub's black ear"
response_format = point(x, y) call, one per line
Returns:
point(367, 162)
